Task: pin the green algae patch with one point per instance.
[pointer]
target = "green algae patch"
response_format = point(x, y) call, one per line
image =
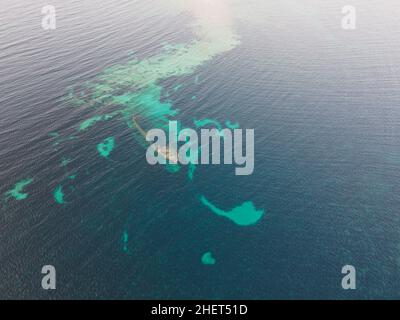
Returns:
point(16, 192)
point(58, 195)
point(208, 259)
point(104, 148)
point(243, 215)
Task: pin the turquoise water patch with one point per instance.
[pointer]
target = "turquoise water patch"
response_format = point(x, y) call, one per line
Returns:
point(89, 122)
point(93, 120)
point(125, 239)
point(192, 168)
point(104, 148)
point(58, 195)
point(243, 215)
point(208, 259)
point(16, 192)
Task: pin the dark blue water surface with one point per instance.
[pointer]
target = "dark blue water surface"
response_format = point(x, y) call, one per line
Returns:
point(325, 106)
